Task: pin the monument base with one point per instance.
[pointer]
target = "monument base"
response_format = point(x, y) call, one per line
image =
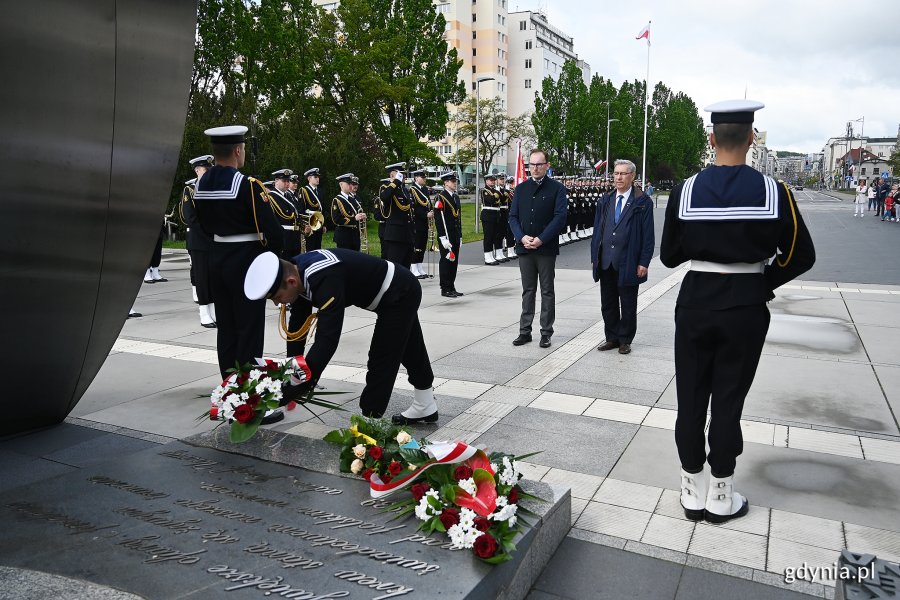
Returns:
point(203, 518)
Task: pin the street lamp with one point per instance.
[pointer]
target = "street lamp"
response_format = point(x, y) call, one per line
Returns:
point(862, 130)
point(608, 123)
point(478, 82)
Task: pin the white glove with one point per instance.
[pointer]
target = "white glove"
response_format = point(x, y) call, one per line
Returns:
point(445, 242)
point(399, 177)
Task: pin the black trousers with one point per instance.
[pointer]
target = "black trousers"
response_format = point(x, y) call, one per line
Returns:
point(314, 241)
point(200, 276)
point(716, 355)
point(381, 237)
point(510, 238)
point(447, 268)
point(421, 241)
point(298, 312)
point(618, 306)
point(400, 253)
point(397, 340)
point(347, 237)
point(241, 322)
point(489, 221)
point(156, 259)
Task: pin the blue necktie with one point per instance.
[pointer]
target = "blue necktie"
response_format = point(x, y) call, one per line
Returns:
point(619, 207)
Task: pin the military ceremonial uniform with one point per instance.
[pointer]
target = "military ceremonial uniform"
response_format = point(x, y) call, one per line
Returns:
point(312, 203)
point(448, 220)
point(336, 279)
point(491, 202)
point(288, 214)
point(344, 209)
point(507, 238)
point(421, 197)
point(235, 210)
point(399, 229)
point(728, 221)
point(378, 214)
point(198, 247)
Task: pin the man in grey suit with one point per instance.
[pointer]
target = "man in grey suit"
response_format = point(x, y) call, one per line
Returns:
point(621, 249)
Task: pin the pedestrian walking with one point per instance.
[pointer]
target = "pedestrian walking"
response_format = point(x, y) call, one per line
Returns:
point(862, 191)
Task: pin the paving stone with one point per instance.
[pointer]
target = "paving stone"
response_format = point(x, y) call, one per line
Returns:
point(609, 519)
point(881, 450)
point(668, 532)
point(472, 422)
point(604, 391)
point(883, 543)
point(696, 584)
point(617, 411)
point(804, 529)
point(786, 554)
point(824, 441)
point(565, 403)
point(583, 486)
point(736, 547)
point(510, 395)
point(631, 495)
point(462, 389)
point(491, 409)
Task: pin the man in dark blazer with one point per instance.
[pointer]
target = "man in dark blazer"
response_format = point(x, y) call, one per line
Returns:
point(536, 217)
point(621, 249)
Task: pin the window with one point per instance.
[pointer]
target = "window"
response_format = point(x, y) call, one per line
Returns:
point(503, 20)
point(473, 69)
point(528, 44)
point(474, 35)
point(443, 9)
point(527, 63)
point(522, 25)
point(499, 37)
point(474, 51)
point(474, 17)
point(527, 84)
point(863, 172)
point(473, 86)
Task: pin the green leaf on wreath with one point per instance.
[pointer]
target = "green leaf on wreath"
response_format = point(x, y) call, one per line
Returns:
point(241, 432)
point(335, 437)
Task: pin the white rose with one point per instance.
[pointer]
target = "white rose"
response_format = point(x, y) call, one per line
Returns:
point(357, 466)
point(403, 438)
point(359, 451)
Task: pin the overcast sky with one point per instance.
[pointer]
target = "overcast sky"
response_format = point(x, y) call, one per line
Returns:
point(815, 64)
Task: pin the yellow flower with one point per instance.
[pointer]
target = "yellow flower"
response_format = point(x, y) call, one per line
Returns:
point(367, 439)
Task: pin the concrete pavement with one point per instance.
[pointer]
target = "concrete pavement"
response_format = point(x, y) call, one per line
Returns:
point(821, 464)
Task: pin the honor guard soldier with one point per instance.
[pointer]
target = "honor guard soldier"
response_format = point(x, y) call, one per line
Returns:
point(312, 203)
point(379, 215)
point(743, 236)
point(347, 215)
point(198, 244)
point(287, 212)
point(331, 281)
point(423, 213)
point(448, 221)
point(396, 204)
point(490, 220)
point(235, 210)
point(505, 231)
point(292, 193)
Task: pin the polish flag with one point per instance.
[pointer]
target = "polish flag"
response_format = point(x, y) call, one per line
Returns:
point(600, 164)
point(520, 165)
point(644, 34)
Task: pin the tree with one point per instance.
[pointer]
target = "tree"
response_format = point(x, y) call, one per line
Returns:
point(497, 130)
point(558, 117)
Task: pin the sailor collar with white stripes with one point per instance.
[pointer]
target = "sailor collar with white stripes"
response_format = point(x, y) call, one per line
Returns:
point(692, 208)
point(222, 192)
point(313, 262)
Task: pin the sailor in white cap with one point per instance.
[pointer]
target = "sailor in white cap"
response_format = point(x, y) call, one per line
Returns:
point(198, 244)
point(447, 220)
point(312, 203)
point(743, 236)
point(286, 212)
point(399, 227)
point(422, 214)
point(331, 281)
point(347, 214)
point(235, 210)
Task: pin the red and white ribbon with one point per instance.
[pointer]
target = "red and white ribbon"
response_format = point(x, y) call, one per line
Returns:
point(443, 453)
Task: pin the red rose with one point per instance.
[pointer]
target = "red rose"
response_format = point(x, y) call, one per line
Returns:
point(462, 472)
point(386, 478)
point(395, 468)
point(214, 413)
point(418, 490)
point(449, 517)
point(376, 452)
point(482, 524)
point(367, 474)
point(513, 496)
point(485, 546)
point(253, 400)
point(244, 413)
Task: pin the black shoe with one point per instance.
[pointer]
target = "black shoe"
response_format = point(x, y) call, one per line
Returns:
point(458, 293)
point(523, 338)
point(400, 419)
point(272, 418)
point(448, 294)
point(625, 349)
point(149, 281)
point(545, 341)
point(423, 276)
point(161, 279)
point(208, 325)
point(503, 260)
point(491, 264)
point(607, 346)
point(132, 315)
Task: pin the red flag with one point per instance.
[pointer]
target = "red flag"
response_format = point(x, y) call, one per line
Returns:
point(644, 34)
point(520, 165)
point(600, 164)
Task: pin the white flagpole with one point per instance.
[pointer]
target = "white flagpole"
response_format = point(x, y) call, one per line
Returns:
point(646, 104)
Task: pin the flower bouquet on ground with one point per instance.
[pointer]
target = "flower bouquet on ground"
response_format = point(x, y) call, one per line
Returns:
point(251, 390)
point(454, 488)
point(372, 447)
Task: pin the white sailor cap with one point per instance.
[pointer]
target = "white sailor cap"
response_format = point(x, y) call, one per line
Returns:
point(448, 176)
point(399, 166)
point(202, 161)
point(295, 178)
point(418, 173)
point(263, 277)
point(314, 172)
point(733, 111)
point(354, 180)
point(231, 134)
point(191, 181)
point(282, 174)
point(501, 175)
point(491, 176)
point(345, 178)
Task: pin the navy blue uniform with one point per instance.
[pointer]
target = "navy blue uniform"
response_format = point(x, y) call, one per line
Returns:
point(198, 245)
point(399, 227)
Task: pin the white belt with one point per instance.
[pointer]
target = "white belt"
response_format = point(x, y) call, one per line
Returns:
point(388, 277)
point(291, 227)
point(241, 237)
point(714, 267)
point(490, 208)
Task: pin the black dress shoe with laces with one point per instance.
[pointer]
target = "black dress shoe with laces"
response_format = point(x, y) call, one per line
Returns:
point(607, 346)
point(522, 339)
point(625, 349)
point(458, 293)
point(545, 341)
point(448, 294)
